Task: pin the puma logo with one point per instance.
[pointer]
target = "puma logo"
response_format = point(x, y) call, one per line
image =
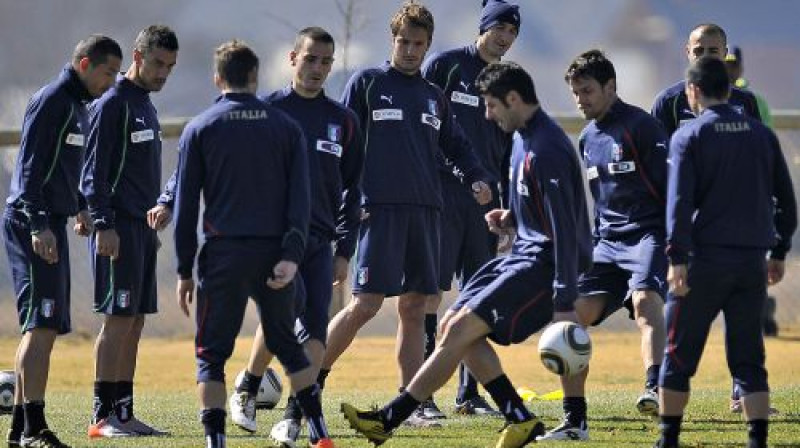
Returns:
point(387, 98)
point(140, 120)
point(465, 85)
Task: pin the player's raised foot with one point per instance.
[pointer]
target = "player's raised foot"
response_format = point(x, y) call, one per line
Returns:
point(286, 432)
point(419, 420)
point(567, 431)
point(476, 406)
point(243, 410)
point(736, 407)
point(137, 427)
point(647, 404)
point(13, 438)
point(44, 439)
point(430, 410)
point(108, 427)
point(515, 435)
point(323, 443)
point(367, 423)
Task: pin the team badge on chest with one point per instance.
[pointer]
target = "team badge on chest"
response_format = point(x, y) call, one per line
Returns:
point(616, 152)
point(334, 132)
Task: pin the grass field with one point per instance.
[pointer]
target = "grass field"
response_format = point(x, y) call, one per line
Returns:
point(367, 375)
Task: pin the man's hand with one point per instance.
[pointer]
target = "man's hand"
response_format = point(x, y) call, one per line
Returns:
point(482, 192)
point(45, 245)
point(282, 274)
point(499, 221)
point(159, 216)
point(340, 267)
point(184, 292)
point(775, 271)
point(678, 280)
point(83, 224)
point(504, 243)
point(107, 243)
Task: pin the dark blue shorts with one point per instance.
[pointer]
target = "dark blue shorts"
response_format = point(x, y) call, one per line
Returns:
point(230, 271)
point(127, 286)
point(621, 267)
point(513, 294)
point(316, 278)
point(739, 292)
point(42, 289)
point(466, 243)
point(398, 251)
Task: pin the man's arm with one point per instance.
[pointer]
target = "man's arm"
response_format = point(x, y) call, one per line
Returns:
point(108, 135)
point(680, 199)
point(456, 147)
point(785, 203)
point(650, 139)
point(298, 213)
point(350, 168)
point(191, 172)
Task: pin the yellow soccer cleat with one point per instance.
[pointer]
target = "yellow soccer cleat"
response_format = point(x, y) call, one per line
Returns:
point(367, 423)
point(516, 435)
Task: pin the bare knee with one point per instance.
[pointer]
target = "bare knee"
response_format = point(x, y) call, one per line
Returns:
point(364, 308)
point(411, 310)
point(648, 309)
point(589, 309)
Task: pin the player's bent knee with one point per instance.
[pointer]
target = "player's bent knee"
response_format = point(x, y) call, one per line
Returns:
point(674, 380)
point(210, 370)
point(463, 329)
point(291, 355)
point(750, 379)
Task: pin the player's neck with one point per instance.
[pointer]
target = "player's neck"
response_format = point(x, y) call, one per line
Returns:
point(305, 93)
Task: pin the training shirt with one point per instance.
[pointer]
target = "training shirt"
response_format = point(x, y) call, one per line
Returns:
point(455, 72)
point(336, 152)
point(626, 165)
point(672, 109)
point(548, 205)
point(406, 122)
point(250, 162)
point(122, 174)
point(730, 194)
point(48, 166)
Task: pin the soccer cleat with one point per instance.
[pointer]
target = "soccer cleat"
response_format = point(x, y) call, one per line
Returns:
point(44, 439)
point(137, 427)
point(515, 435)
point(243, 410)
point(430, 410)
point(286, 432)
point(13, 438)
point(647, 404)
point(736, 407)
point(419, 420)
point(367, 423)
point(323, 443)
point(476, 406)
point(566, 431)
point(108, 427)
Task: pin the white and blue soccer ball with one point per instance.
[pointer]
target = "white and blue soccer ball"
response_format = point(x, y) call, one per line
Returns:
point(270, 390)
point(565, 348)
point(7, 383)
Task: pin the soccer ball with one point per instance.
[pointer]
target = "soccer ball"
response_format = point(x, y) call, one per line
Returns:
point(565, 348)
point(7, 382)
point(270, 390)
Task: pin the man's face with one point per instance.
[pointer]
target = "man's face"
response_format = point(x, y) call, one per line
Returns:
point(593, 100)
point(497, 40)
point(153, 67)
point(704, 44)
point(312, 63)
point(99, 78)
point(691, 97)
point(500, 113)
point(409, 46)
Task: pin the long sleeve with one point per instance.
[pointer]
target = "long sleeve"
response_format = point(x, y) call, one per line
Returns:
point(680, 199)
point(651, 139)
point(107, 136)
point(663, 111)
point(190, 179)
point(299, 202)
point(354, 96)
point(350, 167)
point(785, 203)
point(167, 197)
point(456, 147)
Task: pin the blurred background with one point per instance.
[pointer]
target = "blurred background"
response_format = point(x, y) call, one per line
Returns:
point(644, 38)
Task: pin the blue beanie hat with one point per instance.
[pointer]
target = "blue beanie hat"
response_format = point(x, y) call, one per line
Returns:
point(498, 11)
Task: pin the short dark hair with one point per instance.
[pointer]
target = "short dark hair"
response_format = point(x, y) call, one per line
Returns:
point(156, 36)
point(316, 34)
point(234, 61)
point(413, 14)
point(591, 64)
point(499, 78)
point(711, 29)
point(709, 74)
point(97, 48)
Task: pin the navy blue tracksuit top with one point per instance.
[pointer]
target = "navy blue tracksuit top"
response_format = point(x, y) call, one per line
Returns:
point(672, 109)
point(406, 122)
point(45, 180)
point(454, 72)
point(122, 174)
point(336, 156)
point(626, 164)
point(250, 162)
point(730, 194)
point(548, 205)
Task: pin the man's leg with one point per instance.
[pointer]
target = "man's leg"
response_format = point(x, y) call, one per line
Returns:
point(110, 347)
point(33, 366)
point(345, 325)
point(410, 335)
point(648, 307)
point(126, 370)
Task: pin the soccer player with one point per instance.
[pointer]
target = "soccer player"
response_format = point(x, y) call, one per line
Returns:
point(42, 195)
point(254, 244)
point(625, 153)
point(121, 182)
point(336, 153)
point(511, 297)
point(671, 107)
point(408, 124)
point(466, 244)
point(719, 231)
